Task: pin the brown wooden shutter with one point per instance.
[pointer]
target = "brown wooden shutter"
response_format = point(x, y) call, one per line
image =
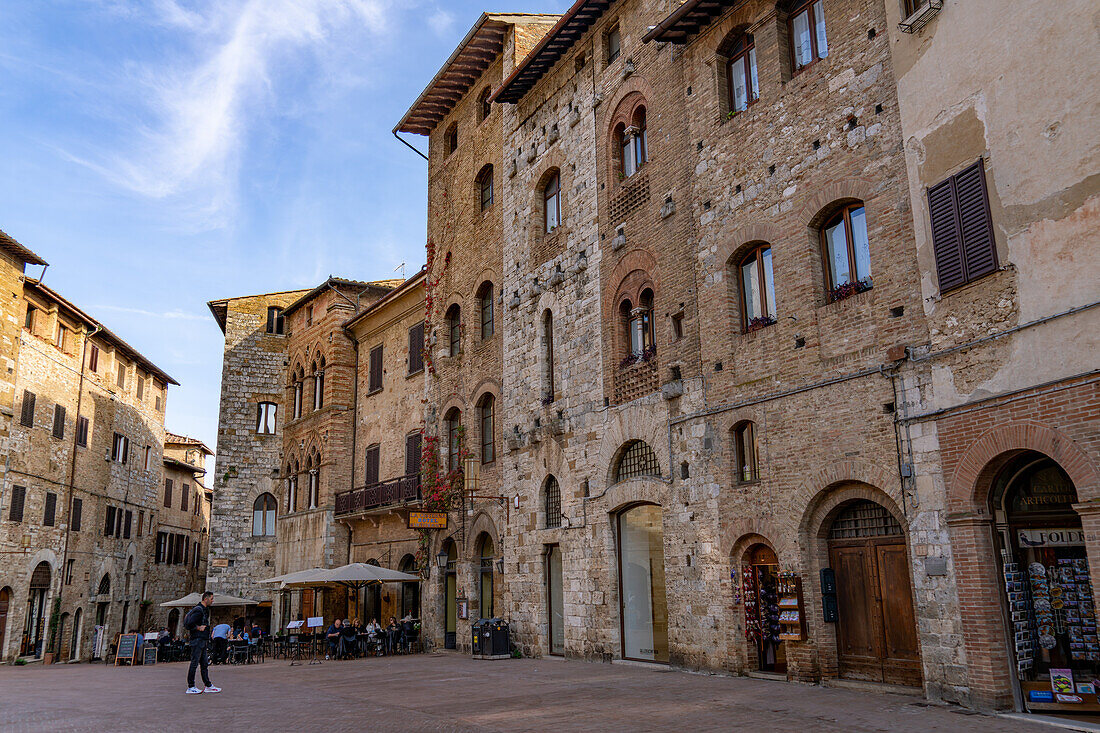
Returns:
point(58, 421)
point(127, 525)
point(168, 493)
point(412, 454)
point(27, 416)
point(373, 456)
point(375, 369)
point(975, 223)
point(74, 519)
point(93, 358)
point(51, 509)
point(18, 496)
point(109, 523)
point(82, 431)
point(945, 235)
point(416, 348)
point(185, 495)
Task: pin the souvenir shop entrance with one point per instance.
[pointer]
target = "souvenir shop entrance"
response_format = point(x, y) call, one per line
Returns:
point(760, 586)
point(1048, 592)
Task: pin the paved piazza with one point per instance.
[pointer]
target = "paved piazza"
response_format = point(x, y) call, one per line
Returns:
point(447, 692)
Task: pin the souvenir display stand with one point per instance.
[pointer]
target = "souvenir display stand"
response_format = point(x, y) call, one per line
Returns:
point(792, 614)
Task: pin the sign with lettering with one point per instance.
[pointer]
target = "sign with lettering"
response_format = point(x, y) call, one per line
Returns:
point(427, 520)
point(149, 654)
point(1050, 537)
point(221, 562)
point(127, 648)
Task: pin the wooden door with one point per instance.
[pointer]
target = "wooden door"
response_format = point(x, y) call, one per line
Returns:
point(307, 603)
point(5, 601)
point(901, 652)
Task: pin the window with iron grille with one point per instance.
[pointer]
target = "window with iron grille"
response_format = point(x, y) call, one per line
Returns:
point(638, 459)
point(58, 421)
point(864, 519)
point(49, 515)
point(26, 417)
point(552, 495)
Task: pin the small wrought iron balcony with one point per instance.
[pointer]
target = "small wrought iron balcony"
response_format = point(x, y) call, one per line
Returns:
point(391, 492)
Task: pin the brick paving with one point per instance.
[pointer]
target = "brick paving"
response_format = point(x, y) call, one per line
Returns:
point(447, 692)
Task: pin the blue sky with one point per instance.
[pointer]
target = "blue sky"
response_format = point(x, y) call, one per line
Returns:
point(164, 153)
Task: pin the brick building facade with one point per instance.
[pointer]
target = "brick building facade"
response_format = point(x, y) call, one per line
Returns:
point(81, 498)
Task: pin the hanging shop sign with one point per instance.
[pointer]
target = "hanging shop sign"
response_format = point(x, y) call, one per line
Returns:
point(1050, 537)
point(427, 520)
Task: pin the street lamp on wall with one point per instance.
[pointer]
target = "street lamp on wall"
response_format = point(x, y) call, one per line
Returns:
point(441, 560)
point(500, 566)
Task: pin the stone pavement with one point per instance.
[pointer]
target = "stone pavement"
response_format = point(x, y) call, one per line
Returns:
point(447, 692)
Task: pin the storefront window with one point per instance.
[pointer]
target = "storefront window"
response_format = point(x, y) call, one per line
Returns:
point(1047, 585)
point(642, 584)
point(759, 578)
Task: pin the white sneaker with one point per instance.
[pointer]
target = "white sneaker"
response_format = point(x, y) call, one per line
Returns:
point(213, 689)
point(194, 691)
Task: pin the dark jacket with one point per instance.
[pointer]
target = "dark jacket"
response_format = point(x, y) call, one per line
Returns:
point(198, 616)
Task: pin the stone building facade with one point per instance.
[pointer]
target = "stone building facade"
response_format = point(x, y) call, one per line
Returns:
point(182, 521)
point(82, 484)
point(1005, 436)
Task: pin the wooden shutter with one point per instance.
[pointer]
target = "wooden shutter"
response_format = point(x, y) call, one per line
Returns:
point(416, 348)
point(167, 493)
point(58, 421)
point(962, 229)
point(373, 456)
point(74, 519)
point(126, 526)
point(412, 454)
point(375, 369)
point(51, 509)
point(93, 358)
point(82, 431)
point(18, 496)
point(975, 223)
point(109, 522)
point(27, 416)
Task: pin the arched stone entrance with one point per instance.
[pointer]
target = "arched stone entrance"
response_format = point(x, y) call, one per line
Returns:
point(34, 625)
point(643, 607)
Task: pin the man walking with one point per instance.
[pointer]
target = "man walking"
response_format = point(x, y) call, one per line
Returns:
point(197, 622)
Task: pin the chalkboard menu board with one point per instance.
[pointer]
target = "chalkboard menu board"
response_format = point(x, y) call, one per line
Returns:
point(127, 648)
point(149, 654)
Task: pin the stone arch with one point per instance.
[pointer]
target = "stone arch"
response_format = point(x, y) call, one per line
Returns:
point(814, 489)
point(483, 523)
point(736, 242)
point(484, 387)
point(635, 422)
point(819, 204)
point(635, 260)
point(453, 402)
point(634, 91)
point(554, 161)
point(972, 479)
point(737, 535)
point(626, 494)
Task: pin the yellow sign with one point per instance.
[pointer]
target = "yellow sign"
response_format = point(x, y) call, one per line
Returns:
point(427, 520)
point(221, 562)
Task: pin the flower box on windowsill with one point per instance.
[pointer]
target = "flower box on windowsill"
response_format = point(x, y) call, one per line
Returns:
point(759, 323)
point(847, 290)
point(643, 358)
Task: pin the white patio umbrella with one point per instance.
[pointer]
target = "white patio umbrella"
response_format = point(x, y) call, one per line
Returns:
point(354, 575)
point(291, 577)
point(220, 599)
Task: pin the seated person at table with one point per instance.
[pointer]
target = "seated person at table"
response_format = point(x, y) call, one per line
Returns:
point(373, 627)
point(347, 640)
point(256, 632)
point(164, 635)
point(332, 636)
point(393, 632)
point(220, 637)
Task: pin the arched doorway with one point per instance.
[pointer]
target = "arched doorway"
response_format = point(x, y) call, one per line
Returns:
point(62, 636)
point(643, 611)
point(555, 600)
point(410, 592)
point(450, 596)
point(74, 647)
point(876, 629)
point(760, 588)
point(486, 550)
point(1047, 588)
point(174, 621)
point(35, 624)
point(5, 604)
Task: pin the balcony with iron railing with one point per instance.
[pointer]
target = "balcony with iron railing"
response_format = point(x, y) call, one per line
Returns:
point(382, 495)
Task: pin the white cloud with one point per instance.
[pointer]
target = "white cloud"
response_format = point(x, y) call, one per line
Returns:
point(172, 315)
point(441, 21)
point(201, 109)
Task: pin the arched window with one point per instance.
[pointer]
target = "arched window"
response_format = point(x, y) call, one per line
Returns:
point(450, 138)
point(263, 516)
point(485, 305)
point(637, 459)
point(641, 138)
point(757, 288)
point(319, 383)
point(104, 585)
point(484, 106)
point(551, 496)
point(847, 252)
point(452, 424)
point(314, 481)
point(292, 487)
point(299, 379)
point(746, 452)
point(454, 330)
point(486, 555)
point(744, 88)
point(806, 29)
point(633, 143)
point(551, 197)
point(488, 438)
point(548, 354)
point(410, 592)
point(485, 186)
point(638, 322)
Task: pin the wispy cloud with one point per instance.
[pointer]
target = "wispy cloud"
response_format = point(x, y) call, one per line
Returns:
point(202, 108)
point(172, 315)
point(441, 21)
